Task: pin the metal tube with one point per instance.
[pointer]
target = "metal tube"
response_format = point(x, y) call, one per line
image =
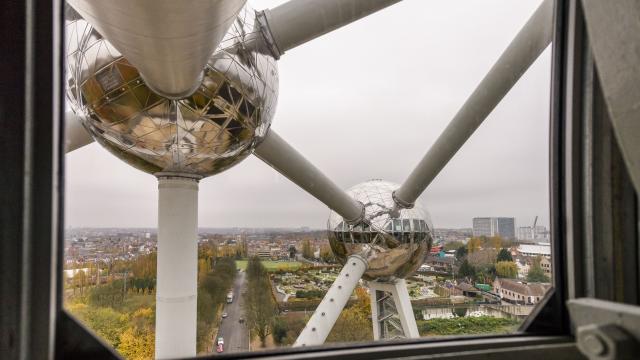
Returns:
point(525, 48)
point(326, 314)
point(298, 21)
point(168, 41)
point(176, 290)
point(75, 135)
point(287, 161)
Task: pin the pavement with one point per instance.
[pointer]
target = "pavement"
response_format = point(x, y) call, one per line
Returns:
point(235, 334)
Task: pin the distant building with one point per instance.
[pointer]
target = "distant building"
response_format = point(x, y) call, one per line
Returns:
point(528, 233)
point(534, 250)
point(441, 264)
point(519, 292)
point(545, 264)
point(492, 226)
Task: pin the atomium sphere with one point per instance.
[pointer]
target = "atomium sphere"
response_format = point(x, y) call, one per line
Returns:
point(393, 247)
point(203, 134)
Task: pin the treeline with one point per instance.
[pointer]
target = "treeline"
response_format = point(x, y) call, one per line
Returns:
point(260, 307)
point(309, 294)
point(325, 254)
point(466, 326)
point(484, 258)
point(121, 309)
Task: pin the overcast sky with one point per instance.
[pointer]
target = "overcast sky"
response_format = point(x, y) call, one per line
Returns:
point(367, 101)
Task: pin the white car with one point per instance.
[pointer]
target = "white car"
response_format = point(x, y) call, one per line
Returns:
point(224, 315)
point(220, 341)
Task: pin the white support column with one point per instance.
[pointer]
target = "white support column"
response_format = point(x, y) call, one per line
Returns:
point(375, 316)
point(176, 289)
point(325, 316)
point(405, 310)
point(398, 290)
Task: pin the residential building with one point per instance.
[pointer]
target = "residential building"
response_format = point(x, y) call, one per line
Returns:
point(441, 264)
point(545, 264)
point(519, 292)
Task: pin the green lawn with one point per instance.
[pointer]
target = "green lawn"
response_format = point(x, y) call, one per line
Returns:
point(272, 265)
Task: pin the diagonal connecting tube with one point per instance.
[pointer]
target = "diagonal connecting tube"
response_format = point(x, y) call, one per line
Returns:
point(299, 21)
point(76, 136)
point(525, 48)
point(276, 152)
point(327, 313)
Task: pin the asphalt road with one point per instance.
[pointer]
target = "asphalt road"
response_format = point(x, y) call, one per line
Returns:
point(235, 334)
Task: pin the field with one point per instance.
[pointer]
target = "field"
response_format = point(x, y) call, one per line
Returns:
point(272, 265)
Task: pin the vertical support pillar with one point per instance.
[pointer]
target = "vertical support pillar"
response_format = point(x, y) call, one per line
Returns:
point(325, 316)
point(405, 310)
point(176, 289)
point(400, 295)
point(375, 314)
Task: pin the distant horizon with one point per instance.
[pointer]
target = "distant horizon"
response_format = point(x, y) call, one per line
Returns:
point(249, 227)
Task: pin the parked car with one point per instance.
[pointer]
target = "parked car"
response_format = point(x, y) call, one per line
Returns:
point(220, 348)
point(224, 315)
point(241, 320)
point(220, 341)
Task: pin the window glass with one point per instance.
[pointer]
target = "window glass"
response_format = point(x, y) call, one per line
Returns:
point(176, 234)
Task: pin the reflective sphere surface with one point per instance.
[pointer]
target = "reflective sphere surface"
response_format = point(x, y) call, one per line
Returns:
point(203, 134)
point(393, 247)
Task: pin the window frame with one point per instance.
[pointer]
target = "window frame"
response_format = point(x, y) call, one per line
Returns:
point(33, 226)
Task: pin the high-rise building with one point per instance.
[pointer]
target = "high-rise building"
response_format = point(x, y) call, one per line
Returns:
point(528, 233)
point(492, 226)
point(483, 226)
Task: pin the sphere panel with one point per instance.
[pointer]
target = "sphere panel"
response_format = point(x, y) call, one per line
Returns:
point(394, 246)
point(203, 134)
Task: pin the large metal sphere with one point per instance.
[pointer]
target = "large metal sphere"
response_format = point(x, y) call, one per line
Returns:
point(203, 134)
point(393, 247)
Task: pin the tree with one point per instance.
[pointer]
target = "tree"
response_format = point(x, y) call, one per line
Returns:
point(352, 325)
point(80, 280)
point(466, 269)
point(504, 255)
point(482, 258)
point(474, 244)
point(461, 252)
point(326, 255)
point(107, 323)
point(307, 251)
point(259, 305)
point(506, 269)
point(453, 245)
point(536, 273)
point(137, 344)
point(496, 242)
point(279, 331)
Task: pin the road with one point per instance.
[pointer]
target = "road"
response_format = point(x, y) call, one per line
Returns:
point(235, 334)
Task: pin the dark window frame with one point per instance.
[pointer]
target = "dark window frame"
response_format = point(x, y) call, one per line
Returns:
point(32, 205)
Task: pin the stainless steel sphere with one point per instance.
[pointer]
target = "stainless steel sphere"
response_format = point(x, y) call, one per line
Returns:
point(203, 134)
point(393, 247)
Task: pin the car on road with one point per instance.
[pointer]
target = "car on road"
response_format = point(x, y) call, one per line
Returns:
point(224, 315)
point(241, 320)
point(220, 348)
point(220, 341)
